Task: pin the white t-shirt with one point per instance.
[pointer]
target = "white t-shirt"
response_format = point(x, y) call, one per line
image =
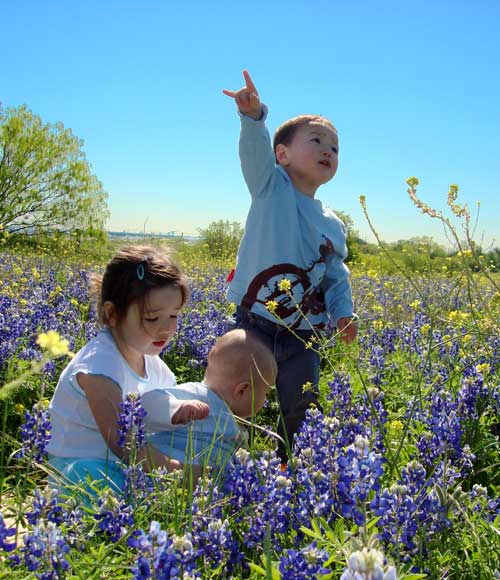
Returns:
point(74, 430)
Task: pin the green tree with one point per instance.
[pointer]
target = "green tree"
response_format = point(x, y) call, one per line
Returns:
point(222, 238)
point(353, 239)
point(45, 180)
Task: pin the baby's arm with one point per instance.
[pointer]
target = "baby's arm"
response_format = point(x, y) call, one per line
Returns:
point(164, 410)
point(258, 162)
point(104, 398)
point(190, 411)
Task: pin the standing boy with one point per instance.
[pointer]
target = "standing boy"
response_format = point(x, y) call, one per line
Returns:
point(290, 274)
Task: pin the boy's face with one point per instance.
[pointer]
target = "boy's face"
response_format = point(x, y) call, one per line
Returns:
point(311, 159)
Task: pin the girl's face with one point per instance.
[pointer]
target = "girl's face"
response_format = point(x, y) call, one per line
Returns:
point(140, 333)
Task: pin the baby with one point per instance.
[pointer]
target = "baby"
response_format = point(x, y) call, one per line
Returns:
point(239, 374)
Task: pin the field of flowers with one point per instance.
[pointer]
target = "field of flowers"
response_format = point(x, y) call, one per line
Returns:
point(398, 477)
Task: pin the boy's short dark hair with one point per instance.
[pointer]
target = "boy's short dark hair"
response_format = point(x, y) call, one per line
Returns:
point(130, 275)
point(286, 131)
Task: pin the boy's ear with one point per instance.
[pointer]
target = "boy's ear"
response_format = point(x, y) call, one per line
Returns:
point(109, 312)
point(282, 154)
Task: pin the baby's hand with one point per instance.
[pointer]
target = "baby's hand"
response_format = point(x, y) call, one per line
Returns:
point(347, 329)
point(190, 411)
point(247, 98)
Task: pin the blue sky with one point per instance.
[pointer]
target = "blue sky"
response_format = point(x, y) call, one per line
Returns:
point(411, 87)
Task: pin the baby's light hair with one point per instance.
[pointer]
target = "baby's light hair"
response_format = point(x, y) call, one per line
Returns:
point(130, 275)
point(238, 354)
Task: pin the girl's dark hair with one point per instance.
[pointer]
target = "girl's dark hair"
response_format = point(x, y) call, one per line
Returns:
point(130, 275)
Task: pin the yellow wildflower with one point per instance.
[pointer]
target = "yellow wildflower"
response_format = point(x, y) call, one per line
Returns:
point(52, 342)
point(396, 426)
point(285, 285)
point(425, 329)
point(415, 304)
point(271, 305)
point(483, 368)
point(307, 386)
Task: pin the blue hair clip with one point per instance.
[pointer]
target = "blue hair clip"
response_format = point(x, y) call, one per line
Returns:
point(140, 271)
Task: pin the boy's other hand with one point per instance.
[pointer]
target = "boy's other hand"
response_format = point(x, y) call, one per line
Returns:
point(347, 329)
point(190, 411)
point(247, 98)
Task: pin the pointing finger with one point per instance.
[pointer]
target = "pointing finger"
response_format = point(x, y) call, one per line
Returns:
point(249, 82)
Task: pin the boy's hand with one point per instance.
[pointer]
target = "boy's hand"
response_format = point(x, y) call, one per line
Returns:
point(247, 98)
point(347, 329)
point(190, 411)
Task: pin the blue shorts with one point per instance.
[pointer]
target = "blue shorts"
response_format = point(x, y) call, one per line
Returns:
point(71, 471)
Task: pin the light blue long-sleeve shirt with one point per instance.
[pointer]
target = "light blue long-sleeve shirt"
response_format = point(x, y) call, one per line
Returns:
point(287, 235)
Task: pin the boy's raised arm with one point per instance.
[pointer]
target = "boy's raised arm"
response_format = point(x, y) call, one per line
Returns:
point(258, 162)
point(247, 98)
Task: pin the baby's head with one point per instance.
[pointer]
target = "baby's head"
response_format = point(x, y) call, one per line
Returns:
point(141, 279)
point(241, 370)
point(307, 148)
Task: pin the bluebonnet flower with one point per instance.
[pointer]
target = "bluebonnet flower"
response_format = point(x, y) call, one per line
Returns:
point(305, 563)
point(46, 507)
point(368, 564)
point(131, 428)
point(489, 508)
point(37, 300)
point(359, 471)
point(35, 433)
point(114, 515)
point(138, 484)
point(211, 533)
point(163, 557)
point(45, 551)
point(410, 506)
point(6, 533)
point(272, 515)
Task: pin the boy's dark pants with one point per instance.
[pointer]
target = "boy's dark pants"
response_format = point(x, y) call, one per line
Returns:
point(297, 365)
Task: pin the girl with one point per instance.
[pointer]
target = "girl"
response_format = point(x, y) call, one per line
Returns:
point(138, 299)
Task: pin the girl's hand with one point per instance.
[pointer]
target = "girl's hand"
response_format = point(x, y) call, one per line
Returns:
point(247, 98)
point(190, 411)
point(347, 329)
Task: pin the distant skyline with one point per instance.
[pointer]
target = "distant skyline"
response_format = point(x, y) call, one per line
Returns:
point(411, 87)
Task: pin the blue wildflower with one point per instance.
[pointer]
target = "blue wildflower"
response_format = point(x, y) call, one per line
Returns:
point(305, 563)
point(114, 516)
point(5, 533)
point(44, 551)
point(35, 433)
point(131, 428)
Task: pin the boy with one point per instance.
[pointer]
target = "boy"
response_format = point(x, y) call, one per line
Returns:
point(239, 373)
point(290, 272)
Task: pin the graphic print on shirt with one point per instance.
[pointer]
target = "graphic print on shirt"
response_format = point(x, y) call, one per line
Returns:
point(305, 297)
